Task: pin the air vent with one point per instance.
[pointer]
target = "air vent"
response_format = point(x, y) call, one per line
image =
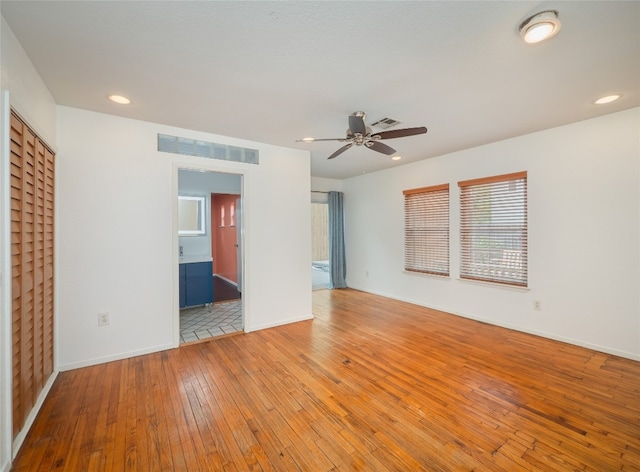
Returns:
point(384, 123)
point(193, 147)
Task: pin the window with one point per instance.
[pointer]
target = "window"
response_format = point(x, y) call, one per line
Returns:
point(493, 229)
point(426, 230)
point(192, 147)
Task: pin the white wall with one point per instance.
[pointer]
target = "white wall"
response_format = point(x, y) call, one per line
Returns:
point(29, 95)
point(320, 184)
point(584, 234)
point(320, 188)
point(23, 89)
point(118, 236)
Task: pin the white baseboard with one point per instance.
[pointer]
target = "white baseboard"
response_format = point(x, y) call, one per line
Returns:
point(115, 357)
point(544, 334)
point(226, 280)
point(279, 323)
point(19, 439)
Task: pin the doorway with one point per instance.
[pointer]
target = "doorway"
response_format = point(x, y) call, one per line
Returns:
point(319, 240)
point(224, 247)
point(210, 261)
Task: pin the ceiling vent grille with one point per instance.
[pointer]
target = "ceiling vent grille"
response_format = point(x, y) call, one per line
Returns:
point(193, 147)
point(384, 123)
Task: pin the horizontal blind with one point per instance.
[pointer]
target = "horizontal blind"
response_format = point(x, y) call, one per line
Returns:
point(426, 230)
point(493, 229)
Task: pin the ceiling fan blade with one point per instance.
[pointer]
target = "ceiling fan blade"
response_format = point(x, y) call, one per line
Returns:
point(312, 140)
point(400, 133)
point(340, 151)
point(380, 147)
point(356, 124)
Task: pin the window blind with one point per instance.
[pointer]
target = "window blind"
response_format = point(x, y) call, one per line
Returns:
point(493, 229)
point(426, 230)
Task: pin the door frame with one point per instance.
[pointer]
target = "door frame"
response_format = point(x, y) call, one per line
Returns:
point(211, 167)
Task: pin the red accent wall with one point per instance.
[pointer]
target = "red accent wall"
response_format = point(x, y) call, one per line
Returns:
point(223, 236)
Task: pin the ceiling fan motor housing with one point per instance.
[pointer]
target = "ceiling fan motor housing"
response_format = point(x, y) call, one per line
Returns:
point(360, 139)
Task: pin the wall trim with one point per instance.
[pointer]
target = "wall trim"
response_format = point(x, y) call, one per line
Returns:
point(543, 334)
point(115, 357)
point(19, 439)
point(280, 323)
point(6, 376)
point(229, 281)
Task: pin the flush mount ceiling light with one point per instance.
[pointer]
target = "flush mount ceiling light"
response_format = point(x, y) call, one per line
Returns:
point(396, 158)
point(607, 99)
point(540, 26)
point(119, 99)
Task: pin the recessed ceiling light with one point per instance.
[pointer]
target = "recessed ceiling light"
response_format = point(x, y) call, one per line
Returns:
point(540, 26)
point(396, 158)
point(119, 99)
point(607, 99)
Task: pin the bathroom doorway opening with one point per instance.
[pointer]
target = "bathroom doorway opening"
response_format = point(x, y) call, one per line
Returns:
point(211, 260)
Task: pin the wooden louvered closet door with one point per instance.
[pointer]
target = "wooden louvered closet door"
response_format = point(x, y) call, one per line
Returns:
point(32, 230)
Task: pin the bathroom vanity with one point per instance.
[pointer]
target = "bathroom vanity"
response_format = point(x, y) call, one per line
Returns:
point(196, 283)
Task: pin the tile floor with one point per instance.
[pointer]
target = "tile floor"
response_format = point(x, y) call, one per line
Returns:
point(208, 321)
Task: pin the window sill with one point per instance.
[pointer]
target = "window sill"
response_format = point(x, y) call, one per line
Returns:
point(485, 283)
point(427, 274)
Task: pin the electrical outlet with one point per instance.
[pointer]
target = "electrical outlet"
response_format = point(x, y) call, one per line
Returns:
point(537, 305)
point(103, 319)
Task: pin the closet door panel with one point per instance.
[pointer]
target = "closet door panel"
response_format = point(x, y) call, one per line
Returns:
point(38, 260)
point(16, 270)
point(48, 245)
point(31, 193)
point(27, 266)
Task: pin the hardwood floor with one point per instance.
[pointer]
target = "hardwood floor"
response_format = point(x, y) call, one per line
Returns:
point(370, 384)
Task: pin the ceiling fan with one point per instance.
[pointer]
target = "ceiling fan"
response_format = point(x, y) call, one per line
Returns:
point(359, 134)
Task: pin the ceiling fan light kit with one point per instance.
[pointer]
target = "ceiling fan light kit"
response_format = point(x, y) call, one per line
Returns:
point(541, 26)
point(359, 134)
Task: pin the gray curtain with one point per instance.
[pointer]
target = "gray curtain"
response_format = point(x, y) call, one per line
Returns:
point(337, 260)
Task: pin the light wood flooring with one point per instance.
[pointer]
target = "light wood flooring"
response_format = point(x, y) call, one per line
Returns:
point(370, 384)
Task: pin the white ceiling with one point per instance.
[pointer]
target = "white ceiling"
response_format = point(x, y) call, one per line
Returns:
point(275, 72)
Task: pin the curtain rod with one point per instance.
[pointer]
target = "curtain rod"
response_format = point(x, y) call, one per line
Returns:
point(318, 191)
